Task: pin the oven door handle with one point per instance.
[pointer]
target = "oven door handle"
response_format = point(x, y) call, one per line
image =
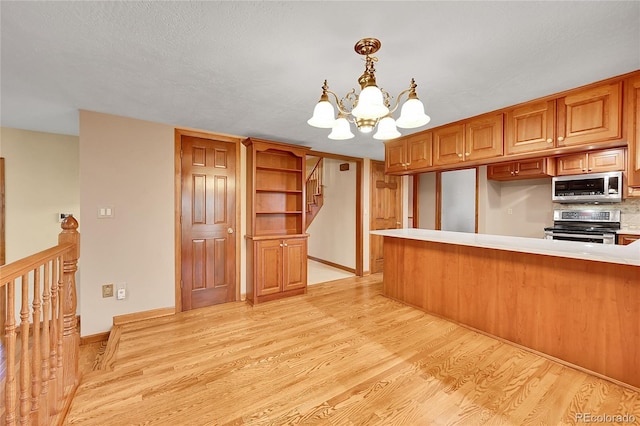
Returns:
point(593, 237)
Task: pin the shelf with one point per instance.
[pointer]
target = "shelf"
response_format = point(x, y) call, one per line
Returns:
point(279, 169)
point(285, 191)
point(280, 212)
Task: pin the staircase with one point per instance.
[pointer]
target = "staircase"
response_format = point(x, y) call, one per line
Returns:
point(314, 190)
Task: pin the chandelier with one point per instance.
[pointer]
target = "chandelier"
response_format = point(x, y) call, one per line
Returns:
point(371, 108)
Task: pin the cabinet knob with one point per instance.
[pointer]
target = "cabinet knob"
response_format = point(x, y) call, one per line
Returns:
point(467, 154)
point(286, 245)
point(517, 171)
point(549, 140)
point(460, 155)
point(281, 245)
point(512, 173)
point(584, 170)
point(560, 138)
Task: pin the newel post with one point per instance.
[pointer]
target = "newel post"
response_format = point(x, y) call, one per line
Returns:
point(71, 335)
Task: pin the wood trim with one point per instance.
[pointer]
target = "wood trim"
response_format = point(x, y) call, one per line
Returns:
point(415, 195)
point(438, 201)
point(333, 265)
point(237, 140)
point(144, 315)
point(109, 356)
point(2, 214)
point(477, 187)
point(95, 338)
point(359, 220)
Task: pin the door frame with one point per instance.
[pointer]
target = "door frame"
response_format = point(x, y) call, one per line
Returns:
point(237, 140)
point(359, 203)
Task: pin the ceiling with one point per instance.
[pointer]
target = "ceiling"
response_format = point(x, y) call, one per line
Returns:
point(256, 68)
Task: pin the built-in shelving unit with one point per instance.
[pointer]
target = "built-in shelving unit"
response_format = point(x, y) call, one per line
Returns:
point(276, 266)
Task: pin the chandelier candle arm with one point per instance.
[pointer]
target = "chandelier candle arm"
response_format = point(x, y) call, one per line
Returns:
point(371, 107)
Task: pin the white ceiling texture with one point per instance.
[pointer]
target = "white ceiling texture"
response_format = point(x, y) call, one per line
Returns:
point(256, 68)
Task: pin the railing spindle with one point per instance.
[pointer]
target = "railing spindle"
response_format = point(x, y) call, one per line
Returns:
point(25, 407)
point(36, 371)
point(10, 333)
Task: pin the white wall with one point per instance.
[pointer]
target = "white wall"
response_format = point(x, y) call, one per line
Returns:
point(127, 165)
point(332, 232)
point(42, 180)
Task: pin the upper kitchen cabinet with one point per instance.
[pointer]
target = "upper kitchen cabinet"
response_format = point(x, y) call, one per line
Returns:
point(583, 116)
point(530, 127)
point(608, 160)
point(475, 139)
point(524, 169)
point(633, 135)
point(590, 115)
point(408, 153)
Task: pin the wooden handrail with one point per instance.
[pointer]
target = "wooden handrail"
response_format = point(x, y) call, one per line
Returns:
point(16, 269)
point(41, 340)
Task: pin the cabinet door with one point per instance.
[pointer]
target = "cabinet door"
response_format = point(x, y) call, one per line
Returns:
point(295, 263)
point(268, 269)
point(419, 150)
point(572, 164)
point(395, 155)
point(590, 115)
point(625, 239)
point(633, 131)
point(484, 137)
point(448, 144)
point(502, 171)
point(537, 167)
point(605, 161)
point(530, 127)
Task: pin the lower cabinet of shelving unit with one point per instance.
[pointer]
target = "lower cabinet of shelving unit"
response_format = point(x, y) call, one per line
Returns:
point(276, 268)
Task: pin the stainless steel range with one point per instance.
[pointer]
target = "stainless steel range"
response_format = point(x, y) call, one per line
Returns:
point(587, 226)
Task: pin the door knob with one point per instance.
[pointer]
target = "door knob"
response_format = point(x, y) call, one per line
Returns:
point(229, 230)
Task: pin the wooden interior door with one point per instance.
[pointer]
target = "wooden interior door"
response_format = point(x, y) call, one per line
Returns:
point(208, 222)
point(386, 210)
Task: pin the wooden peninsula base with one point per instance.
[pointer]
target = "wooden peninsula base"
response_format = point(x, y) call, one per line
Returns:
point(583, 312)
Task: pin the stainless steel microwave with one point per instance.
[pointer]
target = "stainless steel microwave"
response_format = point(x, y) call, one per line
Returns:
point(588, 188)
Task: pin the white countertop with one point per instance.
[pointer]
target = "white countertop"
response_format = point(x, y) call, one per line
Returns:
point(629, 231)
point(625, 255)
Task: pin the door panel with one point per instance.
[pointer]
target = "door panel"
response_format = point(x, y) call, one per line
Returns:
point(386, 210)
point(208, 214)
point(295, 263)
point(268, 267)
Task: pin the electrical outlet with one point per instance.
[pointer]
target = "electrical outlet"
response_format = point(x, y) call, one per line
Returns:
point(107, 290)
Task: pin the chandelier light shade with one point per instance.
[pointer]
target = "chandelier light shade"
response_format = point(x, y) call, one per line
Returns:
point(371, 108)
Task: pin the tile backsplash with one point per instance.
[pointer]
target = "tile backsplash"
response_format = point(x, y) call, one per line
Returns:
point(629, 211)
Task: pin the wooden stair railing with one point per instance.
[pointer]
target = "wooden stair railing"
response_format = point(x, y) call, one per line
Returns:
point(314, 191)
point(39, 365)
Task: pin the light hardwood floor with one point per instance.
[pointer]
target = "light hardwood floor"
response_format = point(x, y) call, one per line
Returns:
point(341, 355)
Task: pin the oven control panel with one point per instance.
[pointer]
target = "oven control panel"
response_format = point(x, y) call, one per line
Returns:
point(587, 215)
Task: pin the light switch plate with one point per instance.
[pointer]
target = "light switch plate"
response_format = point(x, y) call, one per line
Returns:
point(121, 294)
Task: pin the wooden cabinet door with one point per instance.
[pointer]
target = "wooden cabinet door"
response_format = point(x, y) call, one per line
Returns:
point(530, 127)
point(484, 137)
point(590, 115)
point(295, 263)
point(448, 144)
point(633, 131)
point(605, 161)
point(537, 167)
point(625, 239)
point(502, 171)
point(268, 269)
point(572, 164)
point(418, 148)
point(395, 156)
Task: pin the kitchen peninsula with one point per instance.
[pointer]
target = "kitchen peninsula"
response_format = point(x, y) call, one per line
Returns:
point(574, 302)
